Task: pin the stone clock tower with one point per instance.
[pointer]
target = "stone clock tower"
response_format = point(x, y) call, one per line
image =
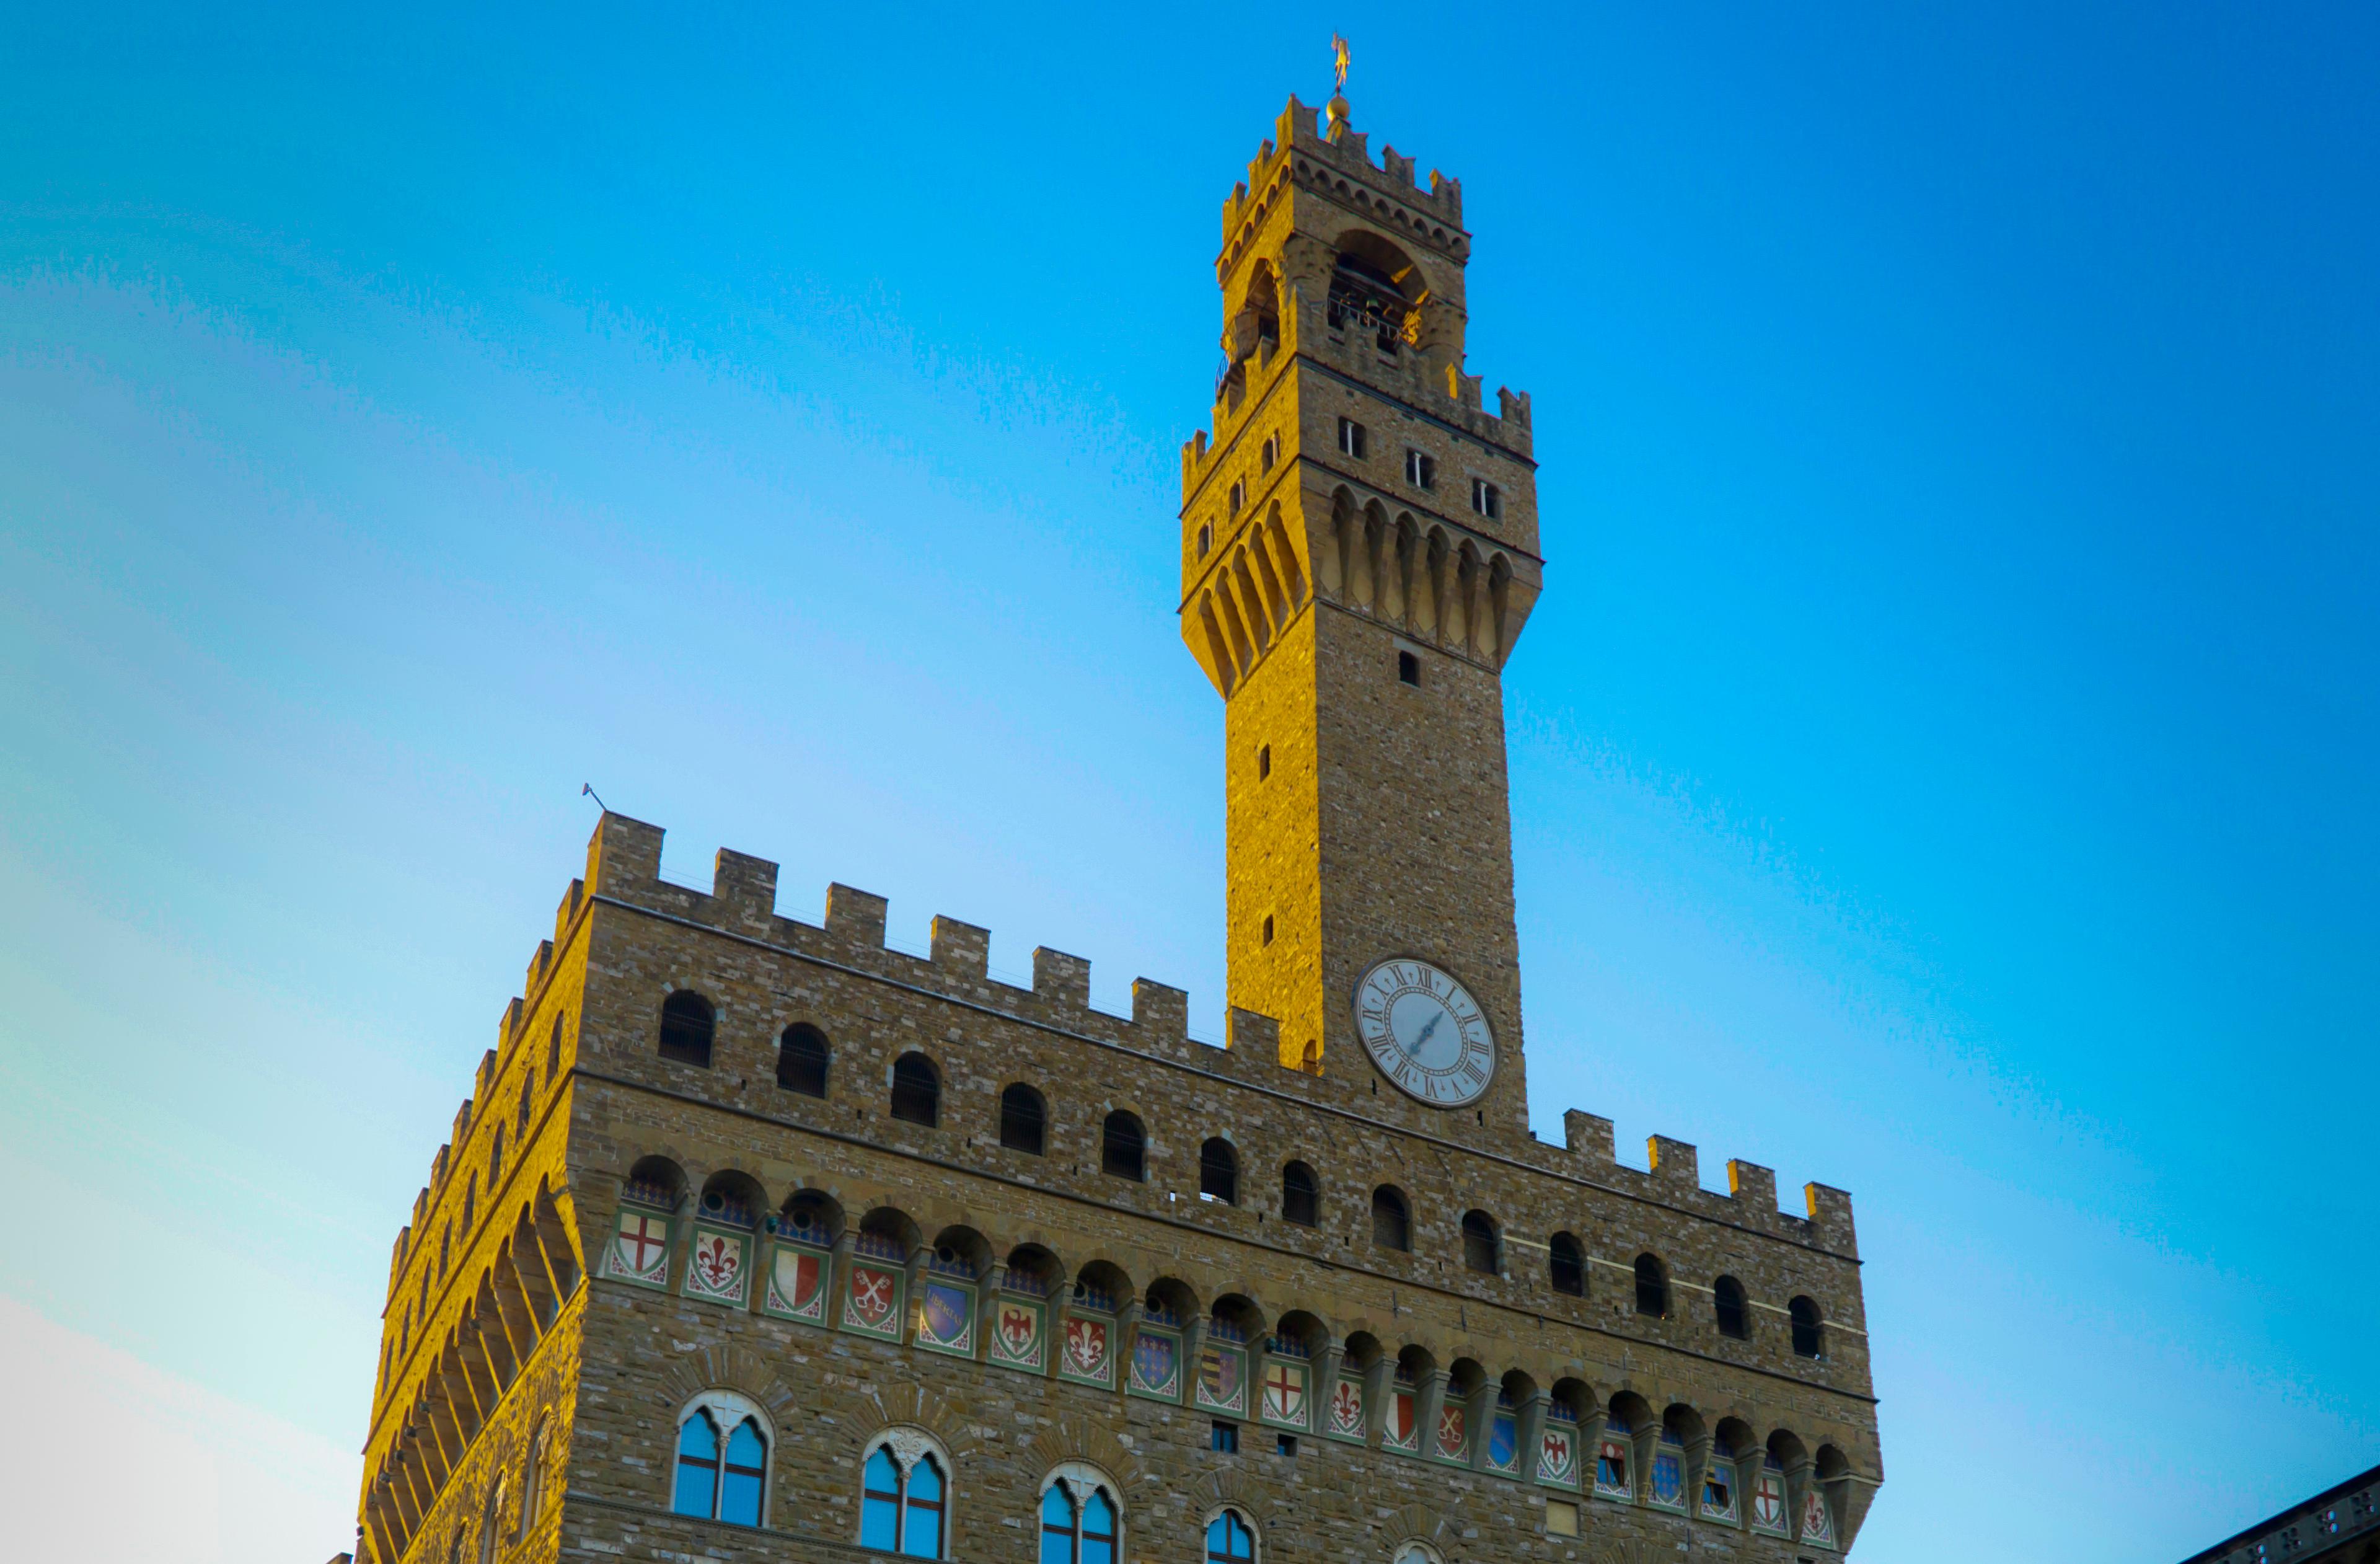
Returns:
point(1359, 553)
point(761, 1241)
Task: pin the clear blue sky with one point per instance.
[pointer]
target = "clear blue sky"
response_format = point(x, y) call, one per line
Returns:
point(1943, 759)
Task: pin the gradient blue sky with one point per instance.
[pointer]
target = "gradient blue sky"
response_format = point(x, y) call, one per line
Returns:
point(1943, 758)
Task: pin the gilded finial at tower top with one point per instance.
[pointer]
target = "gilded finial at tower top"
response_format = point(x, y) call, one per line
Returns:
point(1338, 105)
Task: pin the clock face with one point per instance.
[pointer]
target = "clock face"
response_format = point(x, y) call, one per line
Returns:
point(1426, 1032)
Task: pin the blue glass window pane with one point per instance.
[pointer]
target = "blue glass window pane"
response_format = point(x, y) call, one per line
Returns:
point(879, 1511)
point(694, 1488)
point(925, 1482)
point(1219, 1539)
point(697, 1467)
point(921, 1528)
point(743, 1447)
point(739, 1499)
point(1099, 1531)
point(1057, 1527)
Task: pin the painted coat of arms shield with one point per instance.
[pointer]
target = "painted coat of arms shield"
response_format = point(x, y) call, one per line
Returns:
point(797, 1284)
point(1347, 1410)
point(639, 1249)
point(1016, 1335)
point(1087, 1348)
point(715, 1268)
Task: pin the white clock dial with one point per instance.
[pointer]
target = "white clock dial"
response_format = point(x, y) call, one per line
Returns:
point(1426, 1032)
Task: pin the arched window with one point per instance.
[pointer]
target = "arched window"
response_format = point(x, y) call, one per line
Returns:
point(1078, 1521)
point(490, 1519)
point(1124, 1150)
point(1479, 1247)
point(697, 1467)
point(1392, 1220)
point(1219, 1171)
point(554, 1048)
point(1301, 1196)
point(687, 1022)
point(1808, 1342)
point(901, 1506)
point(533, 1480)
point(801, 1059)
point(1229, 1540)
point(1726, 1303)
point(916, 1090)
point(495, 1156)
point(1024, 1121)
point(1566, 1263)
point(1652, 1288)
point(724, 1479)
point(529, 1091)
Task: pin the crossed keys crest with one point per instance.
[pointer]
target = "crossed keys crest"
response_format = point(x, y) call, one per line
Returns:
point(871, 1292)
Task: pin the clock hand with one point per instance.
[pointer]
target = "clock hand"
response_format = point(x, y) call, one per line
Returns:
point(1414, 1051)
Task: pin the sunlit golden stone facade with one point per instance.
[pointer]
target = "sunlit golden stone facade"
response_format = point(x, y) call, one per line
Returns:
point(757, 1237)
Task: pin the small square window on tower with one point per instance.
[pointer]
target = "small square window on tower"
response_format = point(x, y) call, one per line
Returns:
point(1285, 1444)
point(1408, 669)
point(1226, 1439)
point(1487, 499)
point(1351, 438)
point(1421, 470)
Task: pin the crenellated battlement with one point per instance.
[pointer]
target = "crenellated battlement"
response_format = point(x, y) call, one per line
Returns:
point(1340, 163)
point(623, 864)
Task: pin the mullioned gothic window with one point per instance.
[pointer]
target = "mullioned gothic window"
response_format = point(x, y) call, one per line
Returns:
point(721, 1470)
point(1079, 1517)
point(903, 1509)
point(1229, 1539)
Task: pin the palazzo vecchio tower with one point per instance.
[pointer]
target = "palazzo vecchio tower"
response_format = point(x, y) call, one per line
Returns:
point(761, 1241)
